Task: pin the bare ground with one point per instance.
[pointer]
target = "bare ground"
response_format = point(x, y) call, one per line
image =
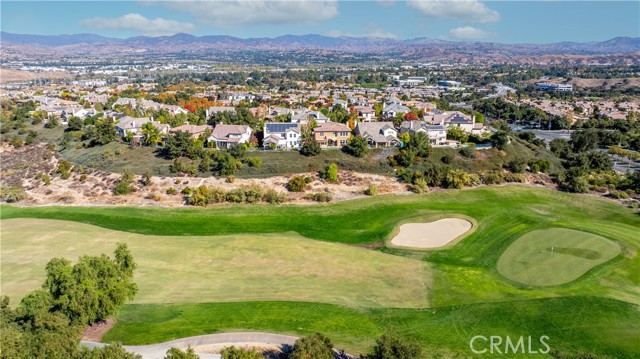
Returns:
point(87, 187)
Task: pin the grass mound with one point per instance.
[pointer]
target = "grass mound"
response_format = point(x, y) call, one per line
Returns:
point(554, 256)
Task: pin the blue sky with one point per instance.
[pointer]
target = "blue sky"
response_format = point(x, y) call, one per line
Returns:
point(468, 20)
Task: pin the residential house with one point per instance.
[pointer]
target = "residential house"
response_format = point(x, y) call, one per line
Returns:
point(226, 136)
point(366, 113)
point(392, 109)
point(215, 109)
point(332, 134)
point(378, 134)
point(194, 130)
point(131, 124)
point(437, 133)
point(306, 115)
point(282, 135)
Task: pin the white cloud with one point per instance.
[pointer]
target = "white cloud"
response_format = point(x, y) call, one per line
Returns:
point(139, 24)
point(229, 13)
point(469, 11)
point(469, 33)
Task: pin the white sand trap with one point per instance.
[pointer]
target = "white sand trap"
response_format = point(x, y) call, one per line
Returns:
point(431, 235)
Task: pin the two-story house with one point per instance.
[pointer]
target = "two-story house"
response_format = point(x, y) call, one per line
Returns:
point(226, 136)
point(282, 135)
point(332, 134)
point(378, 134)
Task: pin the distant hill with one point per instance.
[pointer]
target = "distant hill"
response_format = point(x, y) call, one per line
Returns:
point(419, 47)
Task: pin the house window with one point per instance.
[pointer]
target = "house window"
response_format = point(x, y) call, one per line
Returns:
point(343, 142)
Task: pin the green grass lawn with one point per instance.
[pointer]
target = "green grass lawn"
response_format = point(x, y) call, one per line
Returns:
point(467, 295)
point(222, 268)
point(573, 324)
point(554, 256)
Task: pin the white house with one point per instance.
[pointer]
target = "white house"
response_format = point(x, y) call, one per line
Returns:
point(437, 133)
point(282, 135)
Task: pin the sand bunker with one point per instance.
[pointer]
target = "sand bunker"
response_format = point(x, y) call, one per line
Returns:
point(431, 235)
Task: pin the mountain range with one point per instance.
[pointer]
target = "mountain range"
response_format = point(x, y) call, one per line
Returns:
point(92, 44)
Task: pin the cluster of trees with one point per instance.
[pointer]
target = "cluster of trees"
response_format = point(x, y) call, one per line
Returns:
point(48, 322)
point(587, 167)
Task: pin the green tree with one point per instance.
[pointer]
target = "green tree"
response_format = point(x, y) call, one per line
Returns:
point(75, 124)
point(179, 145)
point(560, 147)
point(315, 346)
point(357, 146)
point(421, 144)
point(584, 140)
point(457, 134)
point(101, 133)
point(113, 351)
point(92, 289)
point(499, 140)
point(240, 353)
point(330, 173)
point(392, 346)
point(151, 133)
point(175, 353)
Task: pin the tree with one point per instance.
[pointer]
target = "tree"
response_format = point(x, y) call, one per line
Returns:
point(315, 346)
point(298, 183)
point(457, 134)
point(560, 147)
point(113, 351)
point(392, 346)
point(499, 140)
point(152, 135)
point(457, 179)
point(357, 146)
point(124, 185)
point(101, 133)
point(175, 353)
point(584, 140)
point(240, 353)
point(310, 147)
point(92, 289)
point(75, 124)
point(330, 173)
point(179, 145)
point(421, 144)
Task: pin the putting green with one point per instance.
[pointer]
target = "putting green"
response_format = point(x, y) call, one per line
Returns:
point(198, 269)
point(554, 256)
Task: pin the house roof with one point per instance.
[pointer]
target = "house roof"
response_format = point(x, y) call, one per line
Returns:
point(223, 131)
point(374, 131)
point(128, 122)
point(332, 126)
point(192, 129)
point(280, 127)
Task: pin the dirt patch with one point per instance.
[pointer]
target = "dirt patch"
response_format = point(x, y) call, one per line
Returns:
point(95, 332)
point(431, 235)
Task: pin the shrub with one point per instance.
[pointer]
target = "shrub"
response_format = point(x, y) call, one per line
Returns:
point(357, 146)
point(274, 197)
point(253, 162)
point(230, 179)
point(146, 179)
point(171, 190)
point(200, 196)
point(420, 186)
point(468, 152)
point(517, 166)
point(64, 168)
point(330, 173)
point(310, 147)
point(392, 346)
point(236, 195)
point(618, 194)
point(83, 177)
point(493, 177)
point(16, 141)
point(320, 197)
point(187, 191)
point(457, 179)
point(240, 353)
point(124, 185)
point(45, 178)
point(253, 193)
point(514, 177)
point(177, 181)
point(539, 165)
point(315, 346)
point(11, 194)
point(217, 195)
point(372, 190)
point(297, 184)
point(447, 159)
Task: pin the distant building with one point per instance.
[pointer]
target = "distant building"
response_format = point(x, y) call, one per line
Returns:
point(554, 87)
point(448, 83)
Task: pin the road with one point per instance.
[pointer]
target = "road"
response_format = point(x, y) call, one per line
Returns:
point(158, 351)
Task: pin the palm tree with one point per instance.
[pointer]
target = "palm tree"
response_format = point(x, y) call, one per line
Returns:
point(151, 134)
